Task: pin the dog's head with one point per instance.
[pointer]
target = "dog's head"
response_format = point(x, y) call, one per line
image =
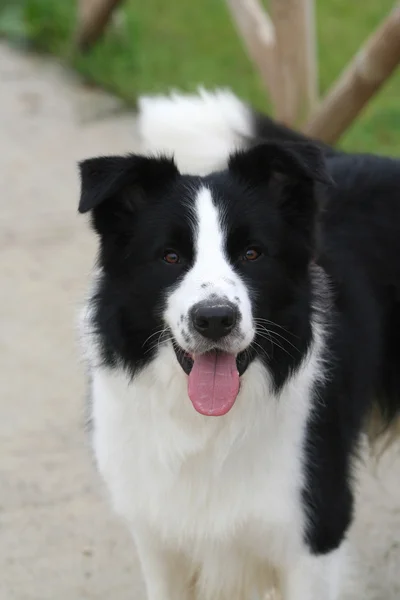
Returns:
point(209, 265)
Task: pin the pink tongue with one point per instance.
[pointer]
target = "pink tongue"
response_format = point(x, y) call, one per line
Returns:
point(213, 383)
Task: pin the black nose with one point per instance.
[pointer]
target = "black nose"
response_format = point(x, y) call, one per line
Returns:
point(214, 321)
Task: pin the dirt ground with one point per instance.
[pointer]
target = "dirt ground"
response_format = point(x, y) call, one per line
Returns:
point(58, 537)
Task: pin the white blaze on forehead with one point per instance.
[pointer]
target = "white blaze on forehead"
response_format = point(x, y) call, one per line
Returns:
point(211, 276)
point(210, 260)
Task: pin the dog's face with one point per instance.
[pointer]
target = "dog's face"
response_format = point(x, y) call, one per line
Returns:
point(209, 307)
point(208, 265)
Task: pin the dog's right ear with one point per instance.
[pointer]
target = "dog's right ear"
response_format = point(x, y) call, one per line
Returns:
point(118, 183)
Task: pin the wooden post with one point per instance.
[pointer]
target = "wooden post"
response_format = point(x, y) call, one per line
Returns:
point(308, 57)
point(257, 32)
point(359, 82)
point(93, 17)
point(295, 57)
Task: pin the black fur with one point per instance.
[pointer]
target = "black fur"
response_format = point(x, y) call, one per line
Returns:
point(329, 253)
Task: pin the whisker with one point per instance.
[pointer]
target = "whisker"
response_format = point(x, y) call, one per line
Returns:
point(274, 342)
point(153, 334)
point(262, 320)
point(254, 343)
point(282, 337)
point(158, 343)
point(274, 333)
point(282, 348)
point(161, 338)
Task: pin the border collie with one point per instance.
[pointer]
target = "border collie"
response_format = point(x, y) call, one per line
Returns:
point(242, 326)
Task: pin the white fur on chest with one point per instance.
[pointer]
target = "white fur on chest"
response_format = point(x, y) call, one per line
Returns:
point(200, 480)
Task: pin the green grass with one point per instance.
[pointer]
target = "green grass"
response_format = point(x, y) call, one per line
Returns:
point(180, 44)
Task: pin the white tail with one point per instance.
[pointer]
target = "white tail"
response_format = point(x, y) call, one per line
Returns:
point(200, 130)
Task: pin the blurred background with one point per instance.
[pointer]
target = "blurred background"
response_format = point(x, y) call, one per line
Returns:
point(63, 99)
point(152, 46)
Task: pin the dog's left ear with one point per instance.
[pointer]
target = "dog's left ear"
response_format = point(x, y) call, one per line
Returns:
point(286, 174)
point(296, 161)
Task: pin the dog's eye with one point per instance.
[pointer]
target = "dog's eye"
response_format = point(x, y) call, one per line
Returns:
point(171, 257)
point(252, 253)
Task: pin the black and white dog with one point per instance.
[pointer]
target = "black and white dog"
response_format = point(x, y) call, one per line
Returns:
point(242, 327)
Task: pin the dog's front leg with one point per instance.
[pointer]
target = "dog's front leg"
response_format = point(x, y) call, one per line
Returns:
point(167, 572)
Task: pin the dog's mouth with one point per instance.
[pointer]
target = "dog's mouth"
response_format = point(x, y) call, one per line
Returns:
point(213, 379)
